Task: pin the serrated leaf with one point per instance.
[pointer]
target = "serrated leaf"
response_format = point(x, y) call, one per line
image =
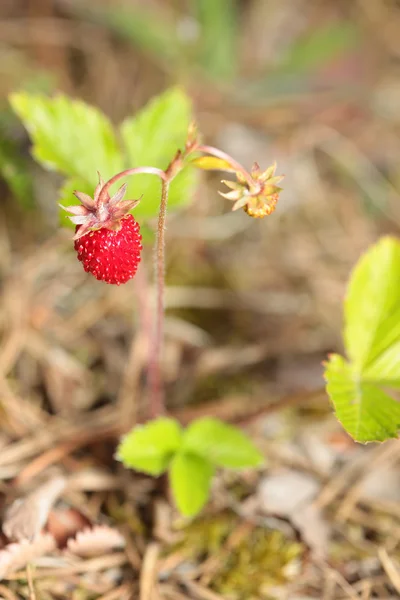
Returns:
point(361, 388)
point(365, 410)
point(149, 448)
point(152, 137)
point(372, 311)
point(69, 136)
point(222, 444)
point(190, 478)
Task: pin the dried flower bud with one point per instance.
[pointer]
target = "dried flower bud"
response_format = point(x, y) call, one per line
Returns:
point(258, 194)
point(94, 213)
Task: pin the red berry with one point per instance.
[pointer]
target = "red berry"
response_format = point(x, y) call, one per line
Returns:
point(111, 256)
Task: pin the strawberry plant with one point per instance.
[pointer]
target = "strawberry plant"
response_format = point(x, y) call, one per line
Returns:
point(364, 386)
point(161, 148)
point(190, 456)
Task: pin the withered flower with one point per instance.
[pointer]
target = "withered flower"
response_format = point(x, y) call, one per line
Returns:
point(94, 213)
point(258, 194)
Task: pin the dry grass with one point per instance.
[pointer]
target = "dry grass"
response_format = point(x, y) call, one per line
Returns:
point(253, 309)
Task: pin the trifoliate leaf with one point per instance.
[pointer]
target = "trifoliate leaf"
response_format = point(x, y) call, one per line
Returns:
point(372, 311)
point(152, 137)
point(149, 448)
point(222, 444)
point(190, 478)
point(69, 136)
point(361, 388)
point(366, 411)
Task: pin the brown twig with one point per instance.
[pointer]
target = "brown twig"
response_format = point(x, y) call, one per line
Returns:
point(29, 577)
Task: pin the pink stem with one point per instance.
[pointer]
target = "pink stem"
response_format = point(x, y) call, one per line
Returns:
point(126, 173)
point(223, 156)
point(156, 399)
point(156, 390)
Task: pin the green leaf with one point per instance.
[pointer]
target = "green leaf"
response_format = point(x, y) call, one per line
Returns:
point(365, 410)
point(190, 478)
point(218, 42)
point(372, 312)
point(361, 388)
point(149, 448)
point(69, 136)
point(222, 444)
point(152, 137)
point(321, 45)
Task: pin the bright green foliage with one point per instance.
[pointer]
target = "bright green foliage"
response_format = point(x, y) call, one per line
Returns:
point(372, 310)
point(149, 448)
point(72, 138)
point(77, 140)
point(191, 456)
point(152, 137)
point(190, 478)
point(222, 444)
point(363, 407)
point(69, 136)
point(361, 388)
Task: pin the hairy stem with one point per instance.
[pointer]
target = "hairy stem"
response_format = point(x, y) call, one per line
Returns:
point(156, 391)
point(155, 387)
point(223, 156)
point(126, 173)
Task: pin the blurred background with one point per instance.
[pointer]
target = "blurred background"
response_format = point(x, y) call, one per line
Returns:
point(254, 306)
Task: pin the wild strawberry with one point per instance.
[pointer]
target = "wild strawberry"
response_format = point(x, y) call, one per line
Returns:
point(257, 197)
point(107, 238)
point(111, 256)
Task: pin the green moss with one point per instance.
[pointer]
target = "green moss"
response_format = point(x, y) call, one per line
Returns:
point(206, 536)
point(263, 559)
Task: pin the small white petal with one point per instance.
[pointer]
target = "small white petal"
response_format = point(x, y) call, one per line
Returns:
point(78, 220)
point(75, 210)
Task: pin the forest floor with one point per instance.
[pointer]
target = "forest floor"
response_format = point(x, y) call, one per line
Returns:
point(253, 310)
